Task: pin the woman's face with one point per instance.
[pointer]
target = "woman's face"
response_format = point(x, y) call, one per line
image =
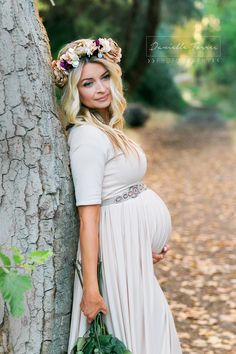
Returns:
point(94, 86)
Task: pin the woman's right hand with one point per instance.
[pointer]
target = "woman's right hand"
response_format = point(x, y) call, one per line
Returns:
point(91, 304)
point(158, 257)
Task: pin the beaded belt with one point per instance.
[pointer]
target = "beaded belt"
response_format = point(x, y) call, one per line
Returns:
point(131, 192)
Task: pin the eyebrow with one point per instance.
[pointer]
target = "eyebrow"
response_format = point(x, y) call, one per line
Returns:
point(90, 78)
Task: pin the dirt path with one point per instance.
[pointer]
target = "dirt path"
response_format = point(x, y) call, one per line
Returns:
point(192, 166)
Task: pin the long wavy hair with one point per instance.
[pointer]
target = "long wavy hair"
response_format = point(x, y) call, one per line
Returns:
point(76, 113)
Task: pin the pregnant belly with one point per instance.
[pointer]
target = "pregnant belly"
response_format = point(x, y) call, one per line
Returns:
point(159, 220)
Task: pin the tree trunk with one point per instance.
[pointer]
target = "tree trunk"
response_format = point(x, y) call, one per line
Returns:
point(152, 21)
point(133, 14)
point(37, 208)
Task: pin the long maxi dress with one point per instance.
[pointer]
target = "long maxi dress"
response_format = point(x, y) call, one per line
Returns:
point(139, 314)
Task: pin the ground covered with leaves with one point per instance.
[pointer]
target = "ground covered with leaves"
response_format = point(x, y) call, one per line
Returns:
point(192, 166)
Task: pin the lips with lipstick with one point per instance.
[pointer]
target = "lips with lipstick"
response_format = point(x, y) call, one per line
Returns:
point(103, 98)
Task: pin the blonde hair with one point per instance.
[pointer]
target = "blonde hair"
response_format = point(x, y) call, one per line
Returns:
point(78, 114)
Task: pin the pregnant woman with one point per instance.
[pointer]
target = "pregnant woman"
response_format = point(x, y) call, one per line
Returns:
point(122, 221)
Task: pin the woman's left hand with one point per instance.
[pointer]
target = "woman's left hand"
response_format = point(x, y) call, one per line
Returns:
point(158, 257)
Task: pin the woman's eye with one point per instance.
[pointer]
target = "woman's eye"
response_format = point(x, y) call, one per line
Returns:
point(87, 84)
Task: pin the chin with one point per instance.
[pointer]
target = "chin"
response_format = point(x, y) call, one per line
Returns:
point(103, 104)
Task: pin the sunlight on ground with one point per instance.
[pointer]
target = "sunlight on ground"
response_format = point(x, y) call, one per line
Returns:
point(190, 99)
point(158, 119)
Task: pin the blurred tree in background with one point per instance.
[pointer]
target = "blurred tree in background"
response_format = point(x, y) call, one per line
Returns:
point(119, 19)
point(219, 19)
point(214, 69)
point(127, 22)
point(179, 11)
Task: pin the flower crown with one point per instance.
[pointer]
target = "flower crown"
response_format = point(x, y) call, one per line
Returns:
point(101, 48)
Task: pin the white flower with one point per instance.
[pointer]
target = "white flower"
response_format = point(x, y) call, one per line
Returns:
point(105, 45)
point(88, 51)
point(75, 63)
point(71, 50)
point(73, 56)
point(88, 43)
point(80, 51)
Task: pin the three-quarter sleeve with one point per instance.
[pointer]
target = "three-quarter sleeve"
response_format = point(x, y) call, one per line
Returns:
point(88, 156)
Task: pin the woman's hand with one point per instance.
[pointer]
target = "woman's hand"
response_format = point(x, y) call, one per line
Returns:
point(158, 257)
point(91, 304)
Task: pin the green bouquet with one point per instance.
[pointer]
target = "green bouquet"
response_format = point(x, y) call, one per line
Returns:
point(97, 338)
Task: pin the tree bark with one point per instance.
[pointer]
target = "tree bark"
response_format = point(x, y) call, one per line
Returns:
point(37, 207)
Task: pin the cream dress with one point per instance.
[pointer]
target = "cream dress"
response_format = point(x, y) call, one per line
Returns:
point(139, 314)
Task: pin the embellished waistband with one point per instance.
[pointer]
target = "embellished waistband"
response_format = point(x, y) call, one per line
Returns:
point(131, 192)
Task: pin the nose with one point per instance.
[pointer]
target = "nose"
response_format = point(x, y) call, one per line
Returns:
point(100, 86)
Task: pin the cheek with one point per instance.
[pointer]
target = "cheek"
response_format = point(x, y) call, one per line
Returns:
point(85, 95)
point(108, 85)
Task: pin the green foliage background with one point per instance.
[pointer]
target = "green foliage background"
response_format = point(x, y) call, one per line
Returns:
point(68, 21)
point(124, 21)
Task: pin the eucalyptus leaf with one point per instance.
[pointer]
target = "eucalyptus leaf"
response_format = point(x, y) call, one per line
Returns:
point(80, 343)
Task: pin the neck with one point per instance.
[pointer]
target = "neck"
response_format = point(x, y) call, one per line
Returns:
point(104, 112)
